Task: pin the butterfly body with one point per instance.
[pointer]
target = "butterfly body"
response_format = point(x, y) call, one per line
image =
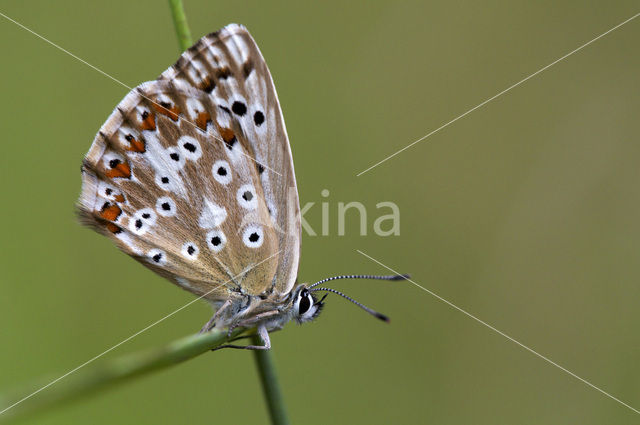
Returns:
point(271, 312)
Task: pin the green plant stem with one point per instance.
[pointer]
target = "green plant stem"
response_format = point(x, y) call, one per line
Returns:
point(91, 378)
point(270, 387)
point(264, 360)
point(182, 26)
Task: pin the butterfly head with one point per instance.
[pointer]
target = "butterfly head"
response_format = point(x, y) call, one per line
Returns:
point(306, 306)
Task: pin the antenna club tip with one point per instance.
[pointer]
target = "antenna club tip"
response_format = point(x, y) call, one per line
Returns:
point(383, 317)
point(401, 277)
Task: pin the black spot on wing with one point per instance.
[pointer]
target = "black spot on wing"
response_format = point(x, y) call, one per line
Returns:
point(239, 108)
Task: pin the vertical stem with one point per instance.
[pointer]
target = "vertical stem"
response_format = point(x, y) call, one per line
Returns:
point(180, 22)
point(270, 387)
point(264, 360)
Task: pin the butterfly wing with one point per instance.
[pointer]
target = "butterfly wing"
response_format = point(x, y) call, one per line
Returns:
point(170, 179)
point(228, 66)
point(192, 174)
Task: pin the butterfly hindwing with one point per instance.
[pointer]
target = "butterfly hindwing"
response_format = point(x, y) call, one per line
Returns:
point(170, 178)
point(228, 67)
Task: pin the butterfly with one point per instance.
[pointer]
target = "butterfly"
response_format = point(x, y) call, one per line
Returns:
point(192, 175)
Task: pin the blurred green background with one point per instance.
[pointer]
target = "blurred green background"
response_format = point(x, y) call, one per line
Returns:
point(525, 212)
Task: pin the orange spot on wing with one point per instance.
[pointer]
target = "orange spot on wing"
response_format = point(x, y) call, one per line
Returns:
point(148, 121)
point(136, 145)
point(119, 198)
point(202, 119)
point(110, 212)
point(227, 134)
point(169, 112)
point(120, 170)
point(113, 228)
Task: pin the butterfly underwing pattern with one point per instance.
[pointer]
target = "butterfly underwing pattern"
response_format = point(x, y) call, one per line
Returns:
point(192, 175)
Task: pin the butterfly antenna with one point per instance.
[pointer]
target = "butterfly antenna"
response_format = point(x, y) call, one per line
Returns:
point(362, 276)
point(362, 306)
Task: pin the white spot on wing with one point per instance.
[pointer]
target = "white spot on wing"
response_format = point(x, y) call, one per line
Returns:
point(175, 157)
point(221, 171)
point(126, 239)
point(190, 250)
point(199, 67)
point(190, 148)
point(107, 191)
point(246, 197)
point(157, 257)
point(163, 98)
point(273, 211)
point(165, 168)
point(183, 282)
point(194, 107)
point(253, 236)
point(236, 154)
point(142, 220)
point(140, 111)
point(212, 215)
point(216, 240)
point(166, 206)
point(223, 117)
point(109, 156)
point(195, 75)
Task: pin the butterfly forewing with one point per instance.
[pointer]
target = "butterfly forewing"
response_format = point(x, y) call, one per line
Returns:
point(192, 174)
point(229, 68)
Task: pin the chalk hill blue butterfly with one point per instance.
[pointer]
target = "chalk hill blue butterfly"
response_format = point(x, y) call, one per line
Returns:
point(192, 175)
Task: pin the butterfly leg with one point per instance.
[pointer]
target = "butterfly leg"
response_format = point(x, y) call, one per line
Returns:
point(212, 322)
point(264, 336)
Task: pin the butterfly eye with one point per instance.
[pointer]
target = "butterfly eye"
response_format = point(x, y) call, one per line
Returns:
point(305, 304)
point(306, 307)
point(221, 172)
